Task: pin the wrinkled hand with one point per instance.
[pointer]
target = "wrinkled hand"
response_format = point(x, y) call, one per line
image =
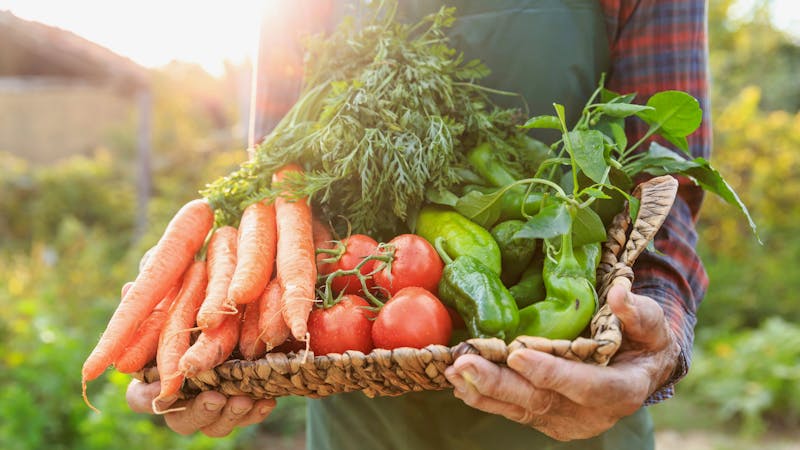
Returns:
point(211, 413)
point(573, 400)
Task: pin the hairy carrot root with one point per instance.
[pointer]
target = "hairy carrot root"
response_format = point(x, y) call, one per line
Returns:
point(255, 254)
point(183, 237)
point(296, 259)
point(273, 330)
point(220, 264)
point(175, 337)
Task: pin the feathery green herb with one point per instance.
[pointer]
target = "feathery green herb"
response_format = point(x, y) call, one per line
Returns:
point(387, 112)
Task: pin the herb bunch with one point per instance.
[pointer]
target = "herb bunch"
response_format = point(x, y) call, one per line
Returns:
point(386, 114)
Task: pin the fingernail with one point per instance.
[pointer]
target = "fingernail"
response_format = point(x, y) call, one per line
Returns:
point(458, 383)
point(628, 298)
point(238, 410)
point(210, 406)
point(263, 411)
point(470, 376)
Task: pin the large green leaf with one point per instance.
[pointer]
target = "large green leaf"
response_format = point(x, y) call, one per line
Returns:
point(483, 209)
point(660, 160)
point(441, 197)
point(589, 153)
point(675, 115)
point(587, 227)
point(551, 221)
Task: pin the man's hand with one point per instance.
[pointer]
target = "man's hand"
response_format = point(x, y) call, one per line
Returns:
point(573, 400)
point(211, 413)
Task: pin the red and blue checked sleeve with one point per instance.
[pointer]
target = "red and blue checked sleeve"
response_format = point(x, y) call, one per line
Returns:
point(659, 45)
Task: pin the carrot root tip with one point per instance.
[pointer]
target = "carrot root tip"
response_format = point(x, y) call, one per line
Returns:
point(86, 397)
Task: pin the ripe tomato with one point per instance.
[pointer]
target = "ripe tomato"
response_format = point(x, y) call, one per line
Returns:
point(413, 317)
point(344, 326)
point(357, 247)
point(416, 263)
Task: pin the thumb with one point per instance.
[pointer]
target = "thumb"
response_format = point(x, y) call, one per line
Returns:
point(642, 318)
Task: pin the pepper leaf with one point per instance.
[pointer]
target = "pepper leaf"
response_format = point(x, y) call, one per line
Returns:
point(595, 192)
point(608, 96)
point(550, 122)
point(551, 221)
point(660, 160)
point(587, 227)
point(441, 197)
point(589, 153)
point(615, 130)
point(622, 110)
point(674, 116)
point(483, 209)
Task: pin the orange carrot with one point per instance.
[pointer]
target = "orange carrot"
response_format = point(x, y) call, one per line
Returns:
point(296, 261)
point(250, 346)
point(174, 339)
point(212, 347)
point(273, 330)
point(144, 344)
point(220, 264)
point(183, 237)
point(255, 253)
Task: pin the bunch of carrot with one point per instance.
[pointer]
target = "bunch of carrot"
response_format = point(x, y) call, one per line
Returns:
point(255, 289)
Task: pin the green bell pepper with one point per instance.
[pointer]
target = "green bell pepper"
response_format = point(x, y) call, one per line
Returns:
point(515, 253)
point(462, 237)
point(530, 288)
point(571, 298)
point(477, 293)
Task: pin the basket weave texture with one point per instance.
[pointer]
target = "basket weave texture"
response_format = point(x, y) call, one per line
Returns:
point(399, 371)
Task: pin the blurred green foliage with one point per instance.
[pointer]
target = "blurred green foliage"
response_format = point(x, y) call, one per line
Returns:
point(67, 246)
point(752, 377)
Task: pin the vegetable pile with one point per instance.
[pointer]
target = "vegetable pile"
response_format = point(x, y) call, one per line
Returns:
point(451, 222)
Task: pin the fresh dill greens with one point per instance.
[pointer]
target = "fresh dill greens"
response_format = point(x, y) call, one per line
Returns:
point(387, 113)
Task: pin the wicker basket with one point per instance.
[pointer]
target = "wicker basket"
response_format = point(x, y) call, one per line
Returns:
point(395, 372)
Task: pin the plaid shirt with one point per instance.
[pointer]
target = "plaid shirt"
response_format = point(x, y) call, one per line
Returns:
point(658, 45)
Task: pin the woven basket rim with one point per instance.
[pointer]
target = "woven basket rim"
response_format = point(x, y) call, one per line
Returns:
point(395, 372)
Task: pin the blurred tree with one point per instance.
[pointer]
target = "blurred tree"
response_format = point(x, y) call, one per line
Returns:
point(746, 49)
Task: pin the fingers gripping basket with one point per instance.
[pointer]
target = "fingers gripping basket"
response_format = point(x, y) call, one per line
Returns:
point(395, 372)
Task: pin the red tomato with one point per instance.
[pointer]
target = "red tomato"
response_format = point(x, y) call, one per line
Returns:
point(413, 317)
point(357, 247)
point(415, 263)
point(344, 326)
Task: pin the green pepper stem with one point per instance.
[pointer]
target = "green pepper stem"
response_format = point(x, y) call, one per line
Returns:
point(567, 263)
point(438, 243)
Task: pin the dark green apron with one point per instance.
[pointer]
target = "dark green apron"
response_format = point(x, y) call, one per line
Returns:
point(548, 51)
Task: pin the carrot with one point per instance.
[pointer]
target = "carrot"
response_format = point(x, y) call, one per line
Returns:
point(174, 339)
point(183, 237)
point(273, 330)
point(212, 347)
point(144, 344)
point(255, 253)
point(296, 260)
point(220, 264)
point(250, 346)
